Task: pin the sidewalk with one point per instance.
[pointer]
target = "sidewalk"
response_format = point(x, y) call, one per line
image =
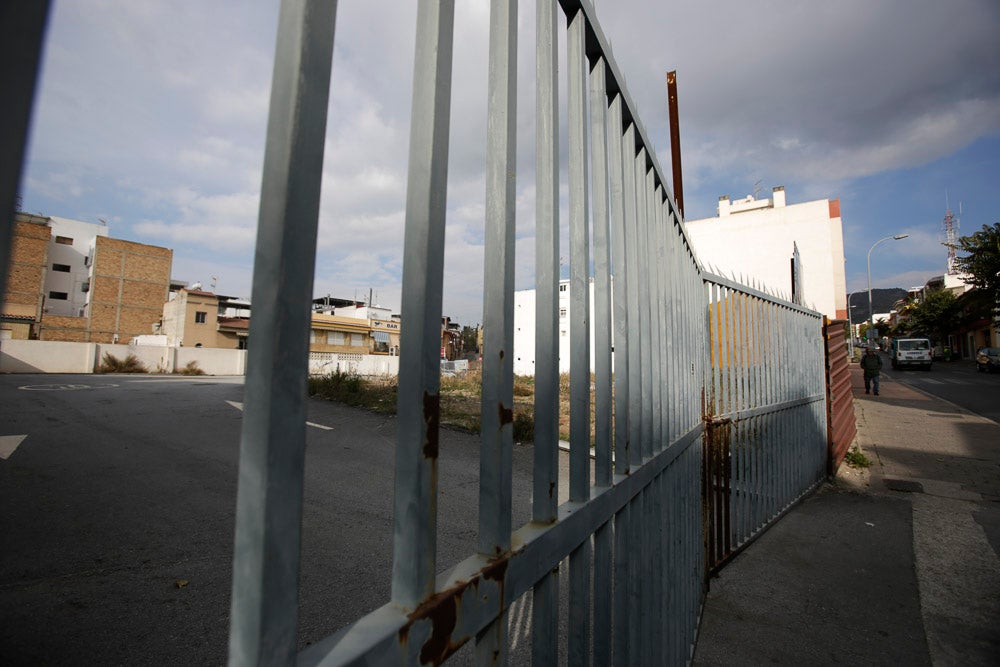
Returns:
point(899, 564)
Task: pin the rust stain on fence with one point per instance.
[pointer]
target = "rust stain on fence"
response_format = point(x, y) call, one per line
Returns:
point(432, 419)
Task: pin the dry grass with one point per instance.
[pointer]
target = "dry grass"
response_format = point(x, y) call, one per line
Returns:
point(460, 400)
point(112, 364)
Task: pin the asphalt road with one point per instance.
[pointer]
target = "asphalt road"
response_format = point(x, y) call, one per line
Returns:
point(117, 513)
point(955, 381)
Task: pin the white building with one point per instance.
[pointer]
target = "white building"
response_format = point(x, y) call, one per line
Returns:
point(71, 250)
point(756, 239)
point(524, 329)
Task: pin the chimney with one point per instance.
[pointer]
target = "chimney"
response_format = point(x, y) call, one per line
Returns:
point(723, 205)
point(779, 197)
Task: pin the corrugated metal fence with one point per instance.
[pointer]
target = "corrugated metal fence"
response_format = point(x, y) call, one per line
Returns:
point(841, 425)
point(711, 425)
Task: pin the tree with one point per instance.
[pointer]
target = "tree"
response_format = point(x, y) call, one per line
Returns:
point(935, 315)
point(981, 260)
point(470, 339)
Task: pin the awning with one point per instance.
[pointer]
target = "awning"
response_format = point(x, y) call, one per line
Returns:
point(381, 336)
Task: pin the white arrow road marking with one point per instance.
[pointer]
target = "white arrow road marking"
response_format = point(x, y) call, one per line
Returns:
point(239, 406)
point(8, 443)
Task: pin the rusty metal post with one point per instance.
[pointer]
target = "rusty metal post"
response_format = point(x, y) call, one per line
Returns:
point(675, 140)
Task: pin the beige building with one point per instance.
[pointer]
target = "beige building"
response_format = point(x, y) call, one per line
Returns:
point(342, 334)
point(78, 284)
point(195, 318)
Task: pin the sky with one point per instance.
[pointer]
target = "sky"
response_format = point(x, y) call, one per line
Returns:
point(151, 115)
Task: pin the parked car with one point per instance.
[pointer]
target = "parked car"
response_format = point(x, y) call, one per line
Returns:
point(988, 359)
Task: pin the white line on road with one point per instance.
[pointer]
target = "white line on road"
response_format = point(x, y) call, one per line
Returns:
point(8, 443)
point(239, 406)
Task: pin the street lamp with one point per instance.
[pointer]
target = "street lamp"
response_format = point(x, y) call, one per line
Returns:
point(871, 313)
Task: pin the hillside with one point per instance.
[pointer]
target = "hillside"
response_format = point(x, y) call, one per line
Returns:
point(882, 300)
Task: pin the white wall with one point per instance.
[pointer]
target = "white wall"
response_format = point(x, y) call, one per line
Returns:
point(83, 235)
point(757, 245)
point(37, 356)
point(325, 363)
point(524, 330)
point(213, 361)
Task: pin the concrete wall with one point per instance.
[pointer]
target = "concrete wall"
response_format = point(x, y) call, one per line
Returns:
point(325, 363)
point(36, 356)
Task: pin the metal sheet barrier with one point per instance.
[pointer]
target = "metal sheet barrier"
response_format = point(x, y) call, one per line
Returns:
point(841, 426)
point(711, 425)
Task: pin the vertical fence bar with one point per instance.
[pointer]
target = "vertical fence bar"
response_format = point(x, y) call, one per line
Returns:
point(415, 519)
point(498, 305)
point(498, 387)
point(22, 29)
point(602, 274)
point(656, 296)
point(645, 310)
point(545, 597)
point(623, 557)
point(264, 610)
point(602, 356)
point(634, 278)
point(579, 288)
point(579, 375)
point(546, 477)
point(620, 286)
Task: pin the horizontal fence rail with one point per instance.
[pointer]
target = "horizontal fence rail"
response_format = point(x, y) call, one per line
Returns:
point(708, 396)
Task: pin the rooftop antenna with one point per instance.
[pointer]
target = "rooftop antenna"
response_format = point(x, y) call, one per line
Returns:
point(215, 279)
point(950, 225)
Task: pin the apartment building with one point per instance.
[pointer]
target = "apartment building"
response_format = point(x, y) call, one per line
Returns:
point(76, 283)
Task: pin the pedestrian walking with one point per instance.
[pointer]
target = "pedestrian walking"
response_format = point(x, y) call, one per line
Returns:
point(871, 363)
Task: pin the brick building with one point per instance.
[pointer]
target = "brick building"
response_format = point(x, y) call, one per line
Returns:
point(78, 284)
point(23, 294)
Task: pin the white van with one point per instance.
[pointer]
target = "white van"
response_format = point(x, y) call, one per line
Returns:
point(911, 352)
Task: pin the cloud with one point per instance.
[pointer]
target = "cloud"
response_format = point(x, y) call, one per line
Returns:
point(154, 113)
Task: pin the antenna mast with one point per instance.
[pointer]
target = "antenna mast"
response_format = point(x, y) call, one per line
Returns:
point(950, 225)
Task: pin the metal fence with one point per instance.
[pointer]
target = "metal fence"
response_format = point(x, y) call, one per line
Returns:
point(694, 355)
point(765, 412)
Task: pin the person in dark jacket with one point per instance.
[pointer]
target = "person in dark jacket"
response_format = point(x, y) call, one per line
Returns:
point(871, 363)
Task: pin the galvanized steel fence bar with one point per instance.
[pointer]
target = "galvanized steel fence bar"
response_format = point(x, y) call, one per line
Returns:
point(710, 420)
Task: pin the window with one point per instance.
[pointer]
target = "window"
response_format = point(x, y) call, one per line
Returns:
point(562, 312)
point(241, 344)
point(64, 240)
point(335, 338)
point(563, 288)
point(59, 296)
point(63, 268)
point(200, 317)
point(357, 340)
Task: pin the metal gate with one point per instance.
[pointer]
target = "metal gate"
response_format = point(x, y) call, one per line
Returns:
point(765, 413)
point(694, 355)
